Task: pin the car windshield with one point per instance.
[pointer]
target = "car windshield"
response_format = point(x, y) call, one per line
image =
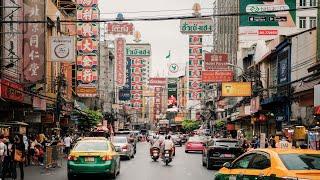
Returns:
point(91, 146)
point(301, 161)
point(119, 140)
point(227, 143)
point(195, 139)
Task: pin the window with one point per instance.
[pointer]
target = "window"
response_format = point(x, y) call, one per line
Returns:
point(313, 3)
point(302, 22)
point(302, 2)
point(260, 161)
point(243, 163)
point(313, 22)
point(301, 161)
point(92, 146)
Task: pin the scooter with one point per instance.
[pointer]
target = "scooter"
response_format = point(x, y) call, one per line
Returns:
point(155, 153)
point(167, 157)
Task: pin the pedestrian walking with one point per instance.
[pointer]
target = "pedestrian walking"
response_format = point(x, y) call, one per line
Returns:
point(18, 156)
point(67, 144)
point(26, 145)
point(3, 151)
point(7, 170)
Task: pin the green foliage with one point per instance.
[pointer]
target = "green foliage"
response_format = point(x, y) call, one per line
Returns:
point(190, 125)
point(89, 118)
point(219, 123)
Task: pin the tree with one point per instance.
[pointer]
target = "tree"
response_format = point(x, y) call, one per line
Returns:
point(89, 118)
point(190, 125)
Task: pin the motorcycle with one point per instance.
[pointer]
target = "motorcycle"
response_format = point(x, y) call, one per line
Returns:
point(155, 153)
point(167, 157)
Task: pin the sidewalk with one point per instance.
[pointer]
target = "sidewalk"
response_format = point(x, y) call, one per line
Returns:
point(40, 173)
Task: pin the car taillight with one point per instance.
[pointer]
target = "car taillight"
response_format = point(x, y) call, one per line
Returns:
point(72, 158)
point(189, 144)
point(107, 158)
point(125, 148)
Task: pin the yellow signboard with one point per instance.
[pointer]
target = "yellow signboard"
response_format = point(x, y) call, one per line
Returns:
point(236, 89)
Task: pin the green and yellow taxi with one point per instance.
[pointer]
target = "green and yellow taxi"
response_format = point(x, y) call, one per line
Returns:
point(95, 156)
point(273, 164)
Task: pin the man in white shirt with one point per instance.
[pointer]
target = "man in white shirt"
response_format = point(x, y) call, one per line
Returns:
point(168, 144)
point(67, 144)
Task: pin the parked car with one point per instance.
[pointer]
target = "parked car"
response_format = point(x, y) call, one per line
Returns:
point(194, 143)
point(218, 151)
point(123, 146)
point(93, 155)
point(286, 164)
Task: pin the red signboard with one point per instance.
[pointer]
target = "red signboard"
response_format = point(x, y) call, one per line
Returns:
point(87, 45)
point(87, 29)
point(11, 90)
point(215, 61)
point(217, 76)
point(87, 3)
point(87, 61)
point(120, 28)
point(317, 110)
point(157, 101)
point(157, 81)
point(120, 61)
point(266, 32)
point(136, 83)
point(87, 13)
point(34, 41)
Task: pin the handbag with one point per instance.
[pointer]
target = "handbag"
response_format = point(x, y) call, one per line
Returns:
point(18, 156)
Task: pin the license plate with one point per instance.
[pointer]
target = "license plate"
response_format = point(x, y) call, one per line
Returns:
point(228, 155)
point(118, 149)
point(89, 159)
point(166, 155)
point(155, 154)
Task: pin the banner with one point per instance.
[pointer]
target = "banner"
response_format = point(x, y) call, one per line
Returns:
point(215, 61)
point(172, 92)
point(120, 63)
point(34, 41)
point(196, 26)
point(120, 28)
point(157, 101)
point(62, 48)
point(136, 83)
point(11, 90)
point(236, 89)
point(253, 17)
point(217, 76)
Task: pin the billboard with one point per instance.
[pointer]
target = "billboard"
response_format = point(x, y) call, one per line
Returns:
point(34, 41)
point(120, 28)
point(120, 63)
point(11, 90)
point(217, 76)
point(136, 83)
point(138, 50)
point(215, 61)
point(157, 81)
point(196, 26)
point(236, 89)
point(157, 101)
point(62, 48)
point(124, 93)
point(253, 16)
point(172, 92)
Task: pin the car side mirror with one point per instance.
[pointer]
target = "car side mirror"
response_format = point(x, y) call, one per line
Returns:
point(227, 165)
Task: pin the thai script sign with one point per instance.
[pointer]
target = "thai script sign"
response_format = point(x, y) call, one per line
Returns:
point(215, 61)
point(62, 48)
point(34, 41)
point(217, 76)
point(196, 26)
point(120, 28)
point(11, 90)
point(157, 81)
point(137, 50)
point(120, 63)
point(236, 89)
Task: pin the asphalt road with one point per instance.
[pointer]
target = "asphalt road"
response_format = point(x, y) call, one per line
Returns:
point(184, 166)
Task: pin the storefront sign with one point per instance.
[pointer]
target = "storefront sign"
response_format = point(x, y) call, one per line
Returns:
point(124, 93)
point(47, 118)
point(283, 71)
point(87, 61)
point(157, 101)
point(255, 104)
point(172, 92)
point(195, 67)
point(136, 83)
point(39, 104)
point(267, 32)
point(120, 28)
point(138, 50)
point(253, 15)
point(196, 26)
point(11, 90)
point(120, 64)
point(217, 76)
point(87, 13)
point(317, 110)
point(87, 45)
point(33, 117)
point(87, 3)
point(34, 40)
point(157, 81)
point(317, 95)
point(236, 89)
point(215, 61)
point(87, 29)
point(62, 48)
point(87, 91)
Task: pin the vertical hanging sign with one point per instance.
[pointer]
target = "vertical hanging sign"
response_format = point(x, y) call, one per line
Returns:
point(120, 64)
point(34, 41)
point(87, 48)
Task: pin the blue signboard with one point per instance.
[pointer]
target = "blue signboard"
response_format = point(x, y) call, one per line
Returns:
point(124, 93)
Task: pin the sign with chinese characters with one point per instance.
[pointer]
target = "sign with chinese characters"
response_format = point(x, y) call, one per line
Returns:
point(157, 81)
point(136, 83)
point(236, 89)
point(217, 76)
point(62, 49)
point(253, 15)
point(120, 28)
point(196, 26)
point(195, 67)
point(138, 50)
point(34, 41)
point(120, 61)
point(11, 90)
point(87, 48)
point(215, 61)
point(157, 101)
point(124, 93)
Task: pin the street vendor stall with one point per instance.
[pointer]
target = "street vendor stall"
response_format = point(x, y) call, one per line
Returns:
point(17, 127)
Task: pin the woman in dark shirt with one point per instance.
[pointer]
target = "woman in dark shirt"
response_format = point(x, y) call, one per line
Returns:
point(18, 145)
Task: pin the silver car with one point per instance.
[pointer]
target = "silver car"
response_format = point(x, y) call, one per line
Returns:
point(123, 146)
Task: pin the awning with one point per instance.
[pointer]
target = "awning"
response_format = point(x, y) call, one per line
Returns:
point(314, 67)
point(305, 86)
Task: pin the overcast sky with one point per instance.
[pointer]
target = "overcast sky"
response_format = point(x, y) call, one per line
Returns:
point(162, 35)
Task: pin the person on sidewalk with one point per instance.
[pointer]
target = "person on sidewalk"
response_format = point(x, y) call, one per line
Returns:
point(18, 156)
point(67, 144)
point(7, 170)
point(3, 151)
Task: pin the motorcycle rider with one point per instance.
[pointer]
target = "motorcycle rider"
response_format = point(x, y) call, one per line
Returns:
point(168, 145)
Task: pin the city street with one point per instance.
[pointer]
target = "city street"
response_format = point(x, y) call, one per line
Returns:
point(184, 166)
